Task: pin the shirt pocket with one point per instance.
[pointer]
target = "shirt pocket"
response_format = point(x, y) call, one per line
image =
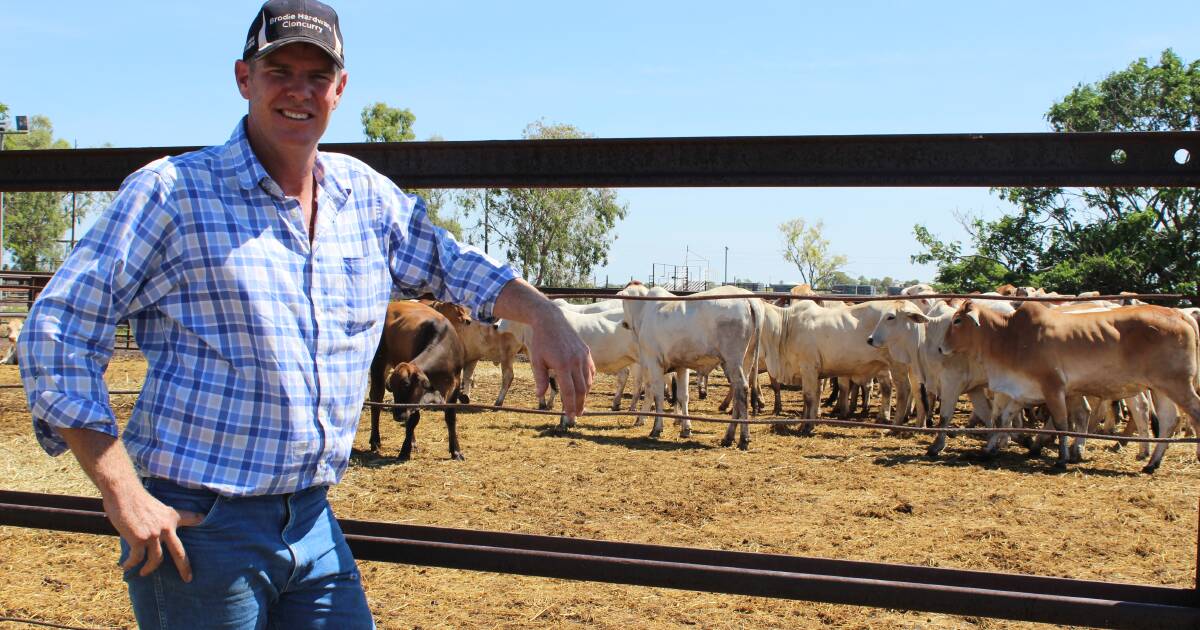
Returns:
point(361, 293)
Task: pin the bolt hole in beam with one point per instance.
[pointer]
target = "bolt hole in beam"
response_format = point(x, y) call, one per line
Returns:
point(1119, 156)
point(1183, 156)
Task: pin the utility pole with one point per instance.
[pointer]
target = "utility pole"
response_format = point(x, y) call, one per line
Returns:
point(726, 264)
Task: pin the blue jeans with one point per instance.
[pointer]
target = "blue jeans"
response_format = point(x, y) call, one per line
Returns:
point(277, 561)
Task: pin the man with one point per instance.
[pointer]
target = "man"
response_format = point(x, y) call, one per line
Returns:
point(256, 275)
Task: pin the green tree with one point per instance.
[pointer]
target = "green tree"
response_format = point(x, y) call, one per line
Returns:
point(1105, 239)
point(382, 123)
point(806, 247)
point(555, 236)
point(387, 124)
point(34, 222)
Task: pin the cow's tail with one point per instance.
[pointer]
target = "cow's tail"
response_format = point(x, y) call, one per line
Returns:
point(756, 324)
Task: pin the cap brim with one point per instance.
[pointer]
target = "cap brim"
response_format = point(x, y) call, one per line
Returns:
point(276, 45)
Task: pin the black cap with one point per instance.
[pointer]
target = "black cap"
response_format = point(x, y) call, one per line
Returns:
point(282, 22)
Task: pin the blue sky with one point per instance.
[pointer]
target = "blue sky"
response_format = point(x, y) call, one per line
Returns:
point(161, 74)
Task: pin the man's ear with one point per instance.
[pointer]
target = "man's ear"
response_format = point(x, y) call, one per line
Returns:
point(241, 74)
point(341, 87)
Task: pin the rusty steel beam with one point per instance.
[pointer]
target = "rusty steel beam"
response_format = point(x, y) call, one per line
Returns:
point(1007, 596)
point(983, 159)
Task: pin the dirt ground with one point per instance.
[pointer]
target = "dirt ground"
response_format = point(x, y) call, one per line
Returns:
point(852, 494)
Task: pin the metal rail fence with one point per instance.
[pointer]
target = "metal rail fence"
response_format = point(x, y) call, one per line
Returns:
point(1091, 159)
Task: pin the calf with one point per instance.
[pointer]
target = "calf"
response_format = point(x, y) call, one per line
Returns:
point(14, 333)
point(425, 356)
point(678, 336)
point(1037, 355)
point(481, 342)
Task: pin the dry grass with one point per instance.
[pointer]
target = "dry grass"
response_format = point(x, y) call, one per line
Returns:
point(860, 495)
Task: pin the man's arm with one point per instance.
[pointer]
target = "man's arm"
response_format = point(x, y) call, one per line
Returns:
point(556, 345)
point(142, 520)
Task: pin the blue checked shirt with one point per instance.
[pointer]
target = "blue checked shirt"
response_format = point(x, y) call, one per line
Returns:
point(258, 344)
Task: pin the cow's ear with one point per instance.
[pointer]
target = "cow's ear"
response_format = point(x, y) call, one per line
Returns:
point(973, 313)
point(919, 318)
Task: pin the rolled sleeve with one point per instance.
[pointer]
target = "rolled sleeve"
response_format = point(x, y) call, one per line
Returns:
point(427, 258)
point(67, 340)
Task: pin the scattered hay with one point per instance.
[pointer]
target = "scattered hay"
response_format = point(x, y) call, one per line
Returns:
point(863, 495)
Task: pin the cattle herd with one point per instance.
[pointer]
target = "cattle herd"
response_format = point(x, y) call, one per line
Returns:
point(1071, 365)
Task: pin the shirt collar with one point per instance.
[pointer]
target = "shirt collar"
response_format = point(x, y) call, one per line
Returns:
point(243, 165)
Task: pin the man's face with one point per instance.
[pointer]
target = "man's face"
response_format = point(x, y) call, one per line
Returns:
point(292, 93)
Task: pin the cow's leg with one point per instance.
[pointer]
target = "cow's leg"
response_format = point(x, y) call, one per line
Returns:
point(726, 401)
point(639, 384)
point(835, 392)
point(548, 401)
point(506, 379)
point(622, 378)
point(1079, 415)
point(702, 385)
point(843, 398)
point(682, 396)
point(1139, 419)
point(886, 385)
point(375, 396)
point(741, 394)
point(655, 386)
point(468, 376)
point(1165, 401)
point(452, 432)
point(951, 390)
point(1002, 413)
point(1056, 404)
point(810, 383)
point(410, 431)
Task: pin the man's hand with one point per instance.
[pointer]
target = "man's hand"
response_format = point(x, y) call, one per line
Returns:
point(144, 522)
point(556, 346)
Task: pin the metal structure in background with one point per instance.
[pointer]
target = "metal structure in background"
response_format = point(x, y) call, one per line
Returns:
point(1084, 159)
point(1031, 159)
point(952, 591)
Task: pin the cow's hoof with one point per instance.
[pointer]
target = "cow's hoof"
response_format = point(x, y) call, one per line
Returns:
point(807, 429)
point(779, 429)
point(639, 422)
point(778, 411)
point(722, 408)
point(1026, 441)
point(703, 395)
point(654, 435)
point(744, 445)
point(543, 406)
point(616, 406)
point(683, 435)
point(458, 457)
point(464, 399)
point(727, 442)
point(988, 454)
point(932, 453)
point(1149, 468)
point(1033, 452)
point(1059, 465)
point(1141, 456)
point(404, 458)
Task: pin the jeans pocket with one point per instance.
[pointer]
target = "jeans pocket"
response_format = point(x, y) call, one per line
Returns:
point(203, 502)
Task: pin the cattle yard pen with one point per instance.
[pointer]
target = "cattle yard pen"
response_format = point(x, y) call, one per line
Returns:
point(1092, 159)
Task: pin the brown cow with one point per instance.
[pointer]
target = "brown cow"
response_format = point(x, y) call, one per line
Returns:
point(1037, 355)
point(481, 342)
point(426, 361)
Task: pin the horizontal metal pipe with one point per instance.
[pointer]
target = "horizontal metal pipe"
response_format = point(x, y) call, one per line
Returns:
point(973, 159)
point(1029, 598)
